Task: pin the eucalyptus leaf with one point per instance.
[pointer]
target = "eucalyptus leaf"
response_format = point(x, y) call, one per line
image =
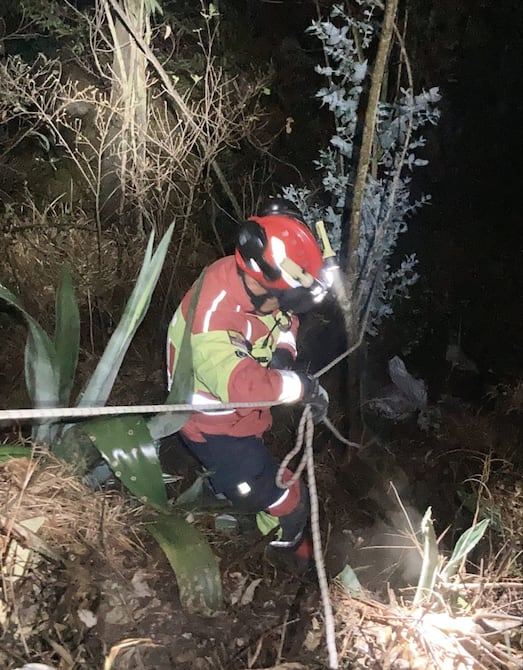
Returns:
point(194, 564)
point(67, 336)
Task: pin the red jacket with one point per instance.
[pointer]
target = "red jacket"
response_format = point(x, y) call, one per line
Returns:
point(231, 348)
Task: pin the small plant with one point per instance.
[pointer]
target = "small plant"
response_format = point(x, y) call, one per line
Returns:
point(436, 574)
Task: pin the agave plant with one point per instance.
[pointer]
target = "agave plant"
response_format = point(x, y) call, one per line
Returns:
point(128, 444)
point(50, 364)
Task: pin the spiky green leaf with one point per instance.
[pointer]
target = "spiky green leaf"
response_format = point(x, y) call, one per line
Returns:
point(161, 425)
point(430, 564)
point(101, 382)
point(467, 541)
point(126, 445)
point(40, 366)
point(193, 563)
point(67, 335)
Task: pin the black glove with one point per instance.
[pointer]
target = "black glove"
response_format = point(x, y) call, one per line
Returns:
point(316, 396)
point(282, 359)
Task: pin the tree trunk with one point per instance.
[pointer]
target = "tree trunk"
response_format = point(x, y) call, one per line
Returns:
point(353, 313)
point(124, 159)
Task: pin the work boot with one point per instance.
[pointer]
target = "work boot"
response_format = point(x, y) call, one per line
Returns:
point(297, 560)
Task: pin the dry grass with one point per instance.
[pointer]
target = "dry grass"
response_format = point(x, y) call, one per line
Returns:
point(59, 541)
point(399, 637)
point(34, 256)
point(74, 518)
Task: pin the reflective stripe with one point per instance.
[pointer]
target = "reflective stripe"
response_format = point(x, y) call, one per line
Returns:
point(280, 499)
point(292, 387)
point(279, 253)
point(243, 488)
point(200, 399)
point(287, 338)
point(212, 309)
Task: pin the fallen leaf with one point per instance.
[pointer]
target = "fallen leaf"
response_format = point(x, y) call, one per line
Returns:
point(87, 618)
point(140, 586)
point(248, 594)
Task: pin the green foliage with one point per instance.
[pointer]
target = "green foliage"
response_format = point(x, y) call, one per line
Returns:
point(100, 384)
point(430, 564)
point(9, 451)
point(161, 425)
point(193, 562)
point(350, 582)
point(50, 365)
point(464, 546)
point(432, 577)
point(126, 444)
point(58, 20)
point(67, 336)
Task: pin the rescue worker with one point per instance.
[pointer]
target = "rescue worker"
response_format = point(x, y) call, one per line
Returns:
point(243, 348)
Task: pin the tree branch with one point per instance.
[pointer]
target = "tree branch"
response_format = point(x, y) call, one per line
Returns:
point(365, 155)
point(176, 97)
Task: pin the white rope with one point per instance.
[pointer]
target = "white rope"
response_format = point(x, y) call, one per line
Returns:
point(304, 440)
point(83, 412)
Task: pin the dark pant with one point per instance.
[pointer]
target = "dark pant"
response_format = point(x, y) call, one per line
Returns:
point(244, 471)
point(236, 460)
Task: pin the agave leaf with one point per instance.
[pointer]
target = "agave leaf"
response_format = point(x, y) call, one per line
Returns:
point(194, 564)
point(126, 444)
point(101, 382)
point(41, 375)
point(162, 425)
point(467, 541)
point(75, 447)
point(67, 335)
point(350, 582)
point(9, 451)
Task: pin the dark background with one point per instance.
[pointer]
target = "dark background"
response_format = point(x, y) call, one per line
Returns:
point(470, 240)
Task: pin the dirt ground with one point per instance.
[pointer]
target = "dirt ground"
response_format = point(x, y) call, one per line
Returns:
point(102, 594)
point(113, 597)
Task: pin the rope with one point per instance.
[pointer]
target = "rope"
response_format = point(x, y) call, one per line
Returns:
point(304, 440)
point(84, 412)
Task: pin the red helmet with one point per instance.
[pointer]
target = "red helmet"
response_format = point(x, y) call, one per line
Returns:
point(279, 252)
